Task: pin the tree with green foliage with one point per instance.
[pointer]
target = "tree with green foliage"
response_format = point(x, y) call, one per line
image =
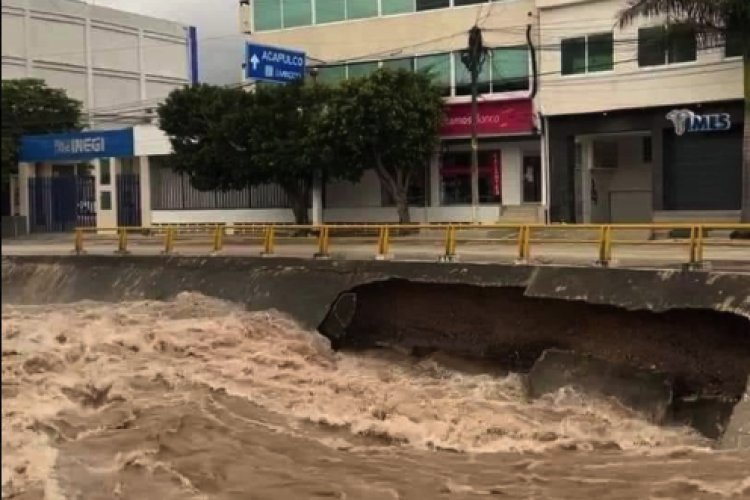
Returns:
point(227, 138)
point(387, 122)
point(29, 106)
point(723, 21)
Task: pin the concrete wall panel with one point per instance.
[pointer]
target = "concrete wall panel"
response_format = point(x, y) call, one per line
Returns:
point(114, 49)
point(113, 90)
point(61, 41)
point(12, 34)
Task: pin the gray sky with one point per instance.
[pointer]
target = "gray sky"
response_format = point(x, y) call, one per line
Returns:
point(220, 46)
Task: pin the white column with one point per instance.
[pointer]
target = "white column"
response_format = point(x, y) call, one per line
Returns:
point(25, 172)
point(144, 175)
point(106, 218)
point(544, 145)
point(317, 198)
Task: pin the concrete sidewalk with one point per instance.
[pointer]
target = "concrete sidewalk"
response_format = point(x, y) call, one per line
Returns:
point(719, 254)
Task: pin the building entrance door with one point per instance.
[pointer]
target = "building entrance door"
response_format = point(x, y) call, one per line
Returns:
point(532, 179)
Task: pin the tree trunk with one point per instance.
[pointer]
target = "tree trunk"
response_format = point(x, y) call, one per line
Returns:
point(298, 197)
point(745, 215)
point(402, 204)
point(397, 188)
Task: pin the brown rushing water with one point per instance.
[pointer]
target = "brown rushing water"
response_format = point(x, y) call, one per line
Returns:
point(197, 398)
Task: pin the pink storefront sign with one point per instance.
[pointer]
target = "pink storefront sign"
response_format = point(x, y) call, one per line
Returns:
point(493, 118)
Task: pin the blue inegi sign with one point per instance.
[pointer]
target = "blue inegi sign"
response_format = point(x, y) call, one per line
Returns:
point(77, 145)
point(273, 64)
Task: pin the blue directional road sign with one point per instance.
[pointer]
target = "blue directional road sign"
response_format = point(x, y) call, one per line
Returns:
point(273, 64)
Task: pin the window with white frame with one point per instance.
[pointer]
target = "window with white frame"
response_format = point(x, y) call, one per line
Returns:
point(587, 54)
point(659, 45)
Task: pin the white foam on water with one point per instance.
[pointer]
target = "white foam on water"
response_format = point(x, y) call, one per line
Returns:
point(67, 362)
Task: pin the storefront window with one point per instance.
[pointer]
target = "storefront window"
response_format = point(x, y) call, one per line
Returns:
point(360, 70)
point(267, 14)
point(489, 177)
point(510, 69)
point(396, 6)
point(463, 77)
point(406, 63)
point(327, 11)
point(439, 67)
point(332, 75)
point(432, 4)
point(459, 3)
point(358, 9)
point(297, 13)
point(455, 178)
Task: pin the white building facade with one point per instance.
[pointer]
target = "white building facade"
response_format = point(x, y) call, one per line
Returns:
point(644, 123)
point(346, 39)
point(114, 62)
point(120, 66)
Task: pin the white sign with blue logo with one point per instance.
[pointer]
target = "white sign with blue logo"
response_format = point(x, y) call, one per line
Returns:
point(685, 120)
point(273, 64)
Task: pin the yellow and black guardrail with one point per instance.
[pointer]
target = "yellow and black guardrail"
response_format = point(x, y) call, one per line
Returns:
point(694, 238)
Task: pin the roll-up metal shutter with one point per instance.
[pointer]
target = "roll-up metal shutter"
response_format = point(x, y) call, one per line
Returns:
point(703, 171)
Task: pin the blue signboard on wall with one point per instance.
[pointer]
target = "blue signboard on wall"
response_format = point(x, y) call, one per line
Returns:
point(76, 146)
point(273, 64)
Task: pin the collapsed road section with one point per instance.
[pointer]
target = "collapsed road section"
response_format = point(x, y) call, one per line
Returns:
point(674, 345)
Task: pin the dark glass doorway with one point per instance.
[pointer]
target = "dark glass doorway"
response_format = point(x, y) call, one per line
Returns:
point(532, 179)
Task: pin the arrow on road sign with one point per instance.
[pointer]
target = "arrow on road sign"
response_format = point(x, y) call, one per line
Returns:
point(273, 64)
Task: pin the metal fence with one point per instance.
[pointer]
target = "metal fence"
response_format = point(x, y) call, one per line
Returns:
point(173, 191)
point(58, 204)
point(128, 200)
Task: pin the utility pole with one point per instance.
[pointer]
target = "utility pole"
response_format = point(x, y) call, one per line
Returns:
point(473, 58)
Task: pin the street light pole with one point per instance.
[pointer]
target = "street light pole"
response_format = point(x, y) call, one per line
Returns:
point(473, 58)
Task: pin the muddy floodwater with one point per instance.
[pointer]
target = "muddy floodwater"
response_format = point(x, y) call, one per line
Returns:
point(197, 398)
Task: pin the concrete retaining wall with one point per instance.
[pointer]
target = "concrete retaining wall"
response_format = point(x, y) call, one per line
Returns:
point(508, 313)
point(306, 289)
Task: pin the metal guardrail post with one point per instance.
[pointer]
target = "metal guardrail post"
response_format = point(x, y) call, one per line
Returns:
point(696, 246)
point(122, 241)
point(268, 235)
point(323, 243)
point(79, 241)
point(605, 246)
point(699, 246)
point(218, 238)
point(169, 240)
point(383, 243)
point(450, 244)
point(524, 243)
